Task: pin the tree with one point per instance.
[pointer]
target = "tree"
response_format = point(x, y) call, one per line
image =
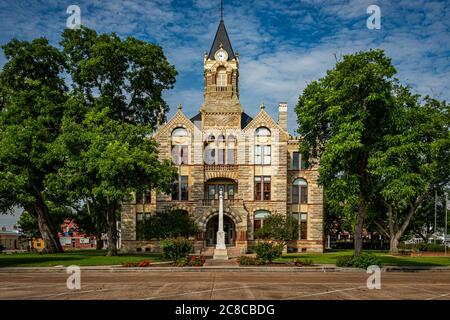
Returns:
point(342, 119)
point(109, 149)
point(33, 95)
point(279, 228)
point(163, 225)
point(413, 161)
point(107, 160)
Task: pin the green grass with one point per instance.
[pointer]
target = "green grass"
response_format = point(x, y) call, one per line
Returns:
point(78, 258)
point(386, 259)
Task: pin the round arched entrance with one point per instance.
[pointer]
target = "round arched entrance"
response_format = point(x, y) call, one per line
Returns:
point(213, 226)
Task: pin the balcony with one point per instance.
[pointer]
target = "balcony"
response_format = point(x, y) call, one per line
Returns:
point(221, 171)
point(226, 202)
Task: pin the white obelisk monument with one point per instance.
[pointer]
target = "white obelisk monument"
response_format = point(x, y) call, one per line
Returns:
point(221, 250)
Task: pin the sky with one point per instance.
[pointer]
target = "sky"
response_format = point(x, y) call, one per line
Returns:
point(282, 45)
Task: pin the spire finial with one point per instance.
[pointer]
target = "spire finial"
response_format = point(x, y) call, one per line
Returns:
point(221, 10)
point(180, 107)
point(262, 106)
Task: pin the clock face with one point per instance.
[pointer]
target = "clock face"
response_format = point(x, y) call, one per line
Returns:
point(221, 55)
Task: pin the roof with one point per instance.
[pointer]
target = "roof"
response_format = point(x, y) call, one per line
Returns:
point(221, 38)
point(245, 119)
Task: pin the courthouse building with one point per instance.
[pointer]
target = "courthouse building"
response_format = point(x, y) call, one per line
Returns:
point(253, 161)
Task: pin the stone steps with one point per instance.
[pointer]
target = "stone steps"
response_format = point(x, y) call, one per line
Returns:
point(232, 252)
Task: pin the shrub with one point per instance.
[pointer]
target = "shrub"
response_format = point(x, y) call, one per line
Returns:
point(344, 261)
point(2, 248)
point(267, 251)
point(175, 249)
point(363, 261)
point(303, 262)
point(421, 247)
point(140, 264)
point(192, 261)
point(250, 261)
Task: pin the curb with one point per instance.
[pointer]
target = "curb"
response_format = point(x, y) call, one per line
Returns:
point(321, 269)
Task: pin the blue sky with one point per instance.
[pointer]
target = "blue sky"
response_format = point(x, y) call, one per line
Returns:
point(282, 45)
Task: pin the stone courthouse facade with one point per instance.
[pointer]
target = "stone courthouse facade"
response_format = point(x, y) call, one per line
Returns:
point(253, 161)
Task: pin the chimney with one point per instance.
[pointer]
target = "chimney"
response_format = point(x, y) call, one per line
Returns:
point(282, 115)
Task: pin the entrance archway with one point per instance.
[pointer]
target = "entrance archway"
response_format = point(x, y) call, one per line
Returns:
point(213, 226)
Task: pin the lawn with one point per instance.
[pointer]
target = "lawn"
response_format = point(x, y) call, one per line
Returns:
point(386, 259)
point(79, 258)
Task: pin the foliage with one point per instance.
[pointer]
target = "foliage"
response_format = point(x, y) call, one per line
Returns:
point(279, 228)
point(140, 264)
point(303, 262)
point(268, 251)
point(364, 260)
point(106, 145)
point(33, 103)
point(342, 119)
point(250, 261)
point(192, 261)
point(1, 248)
point(422, 247)
point(176, 248)
point(170, 224)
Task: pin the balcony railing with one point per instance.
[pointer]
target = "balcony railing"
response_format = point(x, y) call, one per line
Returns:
point(226, 202)
point(221, 167)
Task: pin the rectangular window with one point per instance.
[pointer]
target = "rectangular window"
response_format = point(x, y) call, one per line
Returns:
point(211, 192)
point(148, 196)
point(230, 191)
point(221, 156)
point(303, 226)
point(180, 154)
point(267, 155)
point(267, 187)
point(258, 188)
point(230, 156)
point(304, 166)
point(303, 194)
point(257, 154)
point(295, 160)
point(295, 194)
point(180, 190)
point(184, 188)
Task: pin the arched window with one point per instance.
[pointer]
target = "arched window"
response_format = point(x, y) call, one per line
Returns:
point(263, 151)
point(221, 79)
point(259, 217)
point(299, 191)
point(262, 132)
point(180, 146)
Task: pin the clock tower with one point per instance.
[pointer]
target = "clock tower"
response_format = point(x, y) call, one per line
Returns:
point(221, 106)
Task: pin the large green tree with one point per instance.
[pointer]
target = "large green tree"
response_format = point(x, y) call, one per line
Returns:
point(342, 120)
point(107, 147)
point(413, 160)
point(33, 96)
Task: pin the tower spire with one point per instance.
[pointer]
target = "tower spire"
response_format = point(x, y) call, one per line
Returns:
point(221, 10)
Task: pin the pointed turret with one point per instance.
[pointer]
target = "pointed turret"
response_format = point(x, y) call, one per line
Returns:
point(221, 41)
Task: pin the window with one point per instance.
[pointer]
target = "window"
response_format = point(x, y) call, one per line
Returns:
point(258, 155)
point(262, 132)
point(231, 191)
point(302, 219)
point(258, 219)
point(295, 160)
point(221, 77)
point(180, 146)
point(300, 191)
point(142, 198)
point(180, 191)
point(266, 159)
point(262, 188)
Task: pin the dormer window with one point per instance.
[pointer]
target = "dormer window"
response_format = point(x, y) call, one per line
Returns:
point(221, 77)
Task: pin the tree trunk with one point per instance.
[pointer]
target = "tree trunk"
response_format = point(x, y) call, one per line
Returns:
point(112, 229)
point(393, 245)
point(359, 227)
point(99, 242)
point(46, 227)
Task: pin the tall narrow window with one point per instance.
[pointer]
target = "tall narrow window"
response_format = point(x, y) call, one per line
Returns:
point(302, 219)
point(258, 155)
point(267, 155)
point(295, 160)
point(262, 188)
point(180, 146)
point(221, 77)
point(258, 188)
point(180, 189)
point(300, 191)
point(258, 219)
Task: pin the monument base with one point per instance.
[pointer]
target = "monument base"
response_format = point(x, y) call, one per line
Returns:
point(220, 254)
